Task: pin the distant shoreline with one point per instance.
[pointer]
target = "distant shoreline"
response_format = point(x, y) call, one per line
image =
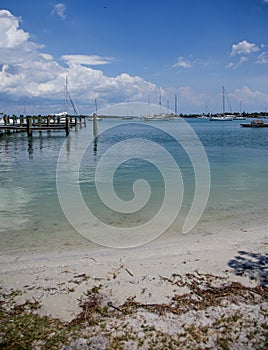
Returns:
point(263, 115)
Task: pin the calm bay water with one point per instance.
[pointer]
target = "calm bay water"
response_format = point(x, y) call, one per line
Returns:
point(31, 218)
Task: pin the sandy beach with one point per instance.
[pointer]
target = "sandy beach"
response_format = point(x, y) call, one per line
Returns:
point(148, 279)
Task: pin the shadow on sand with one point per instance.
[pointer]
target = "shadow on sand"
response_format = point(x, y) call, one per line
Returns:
point(253, 265)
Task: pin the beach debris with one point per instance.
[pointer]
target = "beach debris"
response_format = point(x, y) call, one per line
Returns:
point(212, 313)
point(118, 270)
point(131, 274)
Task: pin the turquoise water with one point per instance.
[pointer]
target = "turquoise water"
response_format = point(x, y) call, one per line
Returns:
point(31, 218)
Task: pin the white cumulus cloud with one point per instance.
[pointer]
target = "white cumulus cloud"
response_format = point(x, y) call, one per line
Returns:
point(244, 48)
point(26, 72)
point(10, 35)
point(247, 52)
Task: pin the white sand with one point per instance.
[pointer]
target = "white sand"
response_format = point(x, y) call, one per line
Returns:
point(59, 280)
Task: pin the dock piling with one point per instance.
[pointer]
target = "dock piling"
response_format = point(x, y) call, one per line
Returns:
point(95, 130)
point(29, 125)
point(67, 125)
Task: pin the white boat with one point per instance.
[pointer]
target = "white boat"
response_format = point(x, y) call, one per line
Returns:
point(162, 116)
point(203, 117)
point(62, 114)
point(92, 118)
point(239, 117)
point(223, 116)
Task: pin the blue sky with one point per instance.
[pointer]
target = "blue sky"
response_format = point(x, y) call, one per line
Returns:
point(121, 50)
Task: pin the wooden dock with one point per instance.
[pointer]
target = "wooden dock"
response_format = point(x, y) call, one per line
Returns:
point(40, 123)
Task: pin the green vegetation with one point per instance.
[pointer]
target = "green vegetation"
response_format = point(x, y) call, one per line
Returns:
point(137, 325)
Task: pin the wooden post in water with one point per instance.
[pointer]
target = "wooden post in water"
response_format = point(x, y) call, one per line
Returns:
point(95, 131)
point(29, 125)
point(67, 125)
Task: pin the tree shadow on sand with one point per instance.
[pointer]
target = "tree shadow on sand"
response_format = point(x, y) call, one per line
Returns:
point(253, 265)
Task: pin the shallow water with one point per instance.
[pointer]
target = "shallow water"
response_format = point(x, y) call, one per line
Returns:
point(31, 218)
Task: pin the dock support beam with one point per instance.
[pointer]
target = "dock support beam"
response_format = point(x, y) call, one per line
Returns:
point(67, 125)
point(29, 125)
point(95, 130)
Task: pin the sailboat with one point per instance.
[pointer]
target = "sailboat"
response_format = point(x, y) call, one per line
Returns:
point(223, 116)
point(240, 116)
point(67, 97)
point(162, 115)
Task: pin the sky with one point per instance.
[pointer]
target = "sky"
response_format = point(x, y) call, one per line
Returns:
point(116, 51)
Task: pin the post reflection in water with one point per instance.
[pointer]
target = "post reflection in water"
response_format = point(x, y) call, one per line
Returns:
point(41, 140)
point(32, 142)
point(68, 145)
point(30, 147)
point(95, 146)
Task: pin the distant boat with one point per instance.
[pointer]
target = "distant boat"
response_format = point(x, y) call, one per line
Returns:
point(223, 116)
point(127, 118)
point(203, 117)
point(239, 117)
point(162, 116)
point(61, 114)
point(255, 124)
point(92, 118)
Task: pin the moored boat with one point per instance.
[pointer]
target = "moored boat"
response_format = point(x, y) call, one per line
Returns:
point(221, 118)
point(255, 124)
point(239, 117)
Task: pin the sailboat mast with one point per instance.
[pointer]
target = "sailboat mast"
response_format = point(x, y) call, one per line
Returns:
point(96, 107)
point(223, 100)
point(66, 94)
